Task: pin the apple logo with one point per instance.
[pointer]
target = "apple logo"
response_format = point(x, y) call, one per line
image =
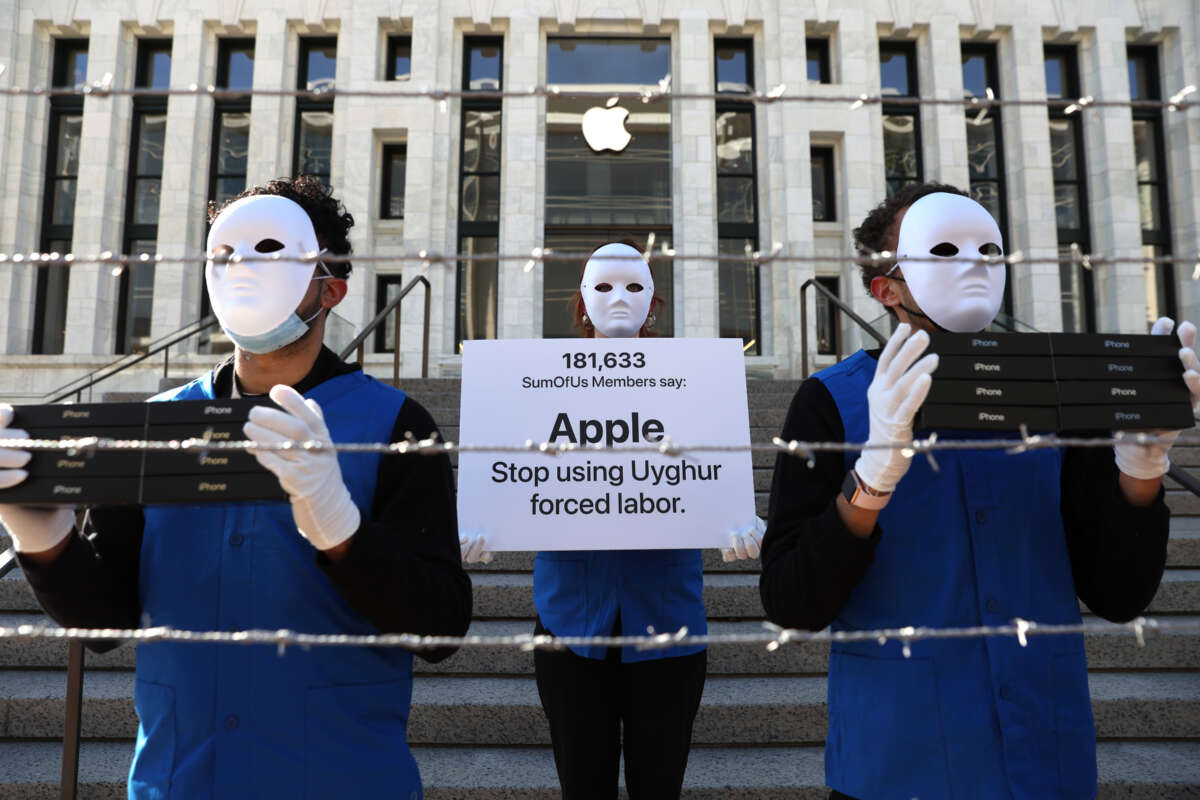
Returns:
point(604, 128)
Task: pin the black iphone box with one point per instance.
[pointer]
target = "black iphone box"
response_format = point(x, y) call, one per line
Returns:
point(1099, 393)
point(200, 462)
point(226, 488)
point(1012, 393)
point(202, 412)
point(986, 367)
point(1168, 416)
point(1118, 368)
point(79, 415)
point(85, 461)
point(995, 418)
point(990, 344)
point(73, 490)
point(1114, 344)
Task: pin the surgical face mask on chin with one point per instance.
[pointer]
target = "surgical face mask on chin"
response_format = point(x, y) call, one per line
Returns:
point(617, 290)
point(255, 301)
point(960, 296)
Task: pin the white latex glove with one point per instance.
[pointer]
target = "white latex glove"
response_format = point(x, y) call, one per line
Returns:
point(746, 543)
point(472, 548)
point(33, 528)
point(896, 392)
point(1149, 461)
point(324, 512)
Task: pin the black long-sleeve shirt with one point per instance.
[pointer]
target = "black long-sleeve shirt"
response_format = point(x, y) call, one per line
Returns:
point(402, 570)
point(812, 563)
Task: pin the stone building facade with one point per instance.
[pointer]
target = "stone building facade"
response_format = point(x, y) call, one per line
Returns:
point(115, 173)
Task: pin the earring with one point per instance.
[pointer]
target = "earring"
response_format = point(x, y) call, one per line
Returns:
point(650, 320)
point(587, 323)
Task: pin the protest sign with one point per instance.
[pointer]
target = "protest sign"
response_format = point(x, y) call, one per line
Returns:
point(611, 392)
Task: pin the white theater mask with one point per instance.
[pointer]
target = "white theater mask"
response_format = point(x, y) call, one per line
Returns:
point(959, 296)
point(255, 301)
point(617, 290)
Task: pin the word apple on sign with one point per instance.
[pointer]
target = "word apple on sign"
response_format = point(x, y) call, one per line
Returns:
point(604, 128)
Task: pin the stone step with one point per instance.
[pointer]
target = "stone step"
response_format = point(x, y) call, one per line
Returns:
point(507, 711)
point(1128, 770)
point(1171, 650)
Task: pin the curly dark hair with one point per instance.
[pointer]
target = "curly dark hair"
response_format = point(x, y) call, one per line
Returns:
point(330, 219)
point(879, 231)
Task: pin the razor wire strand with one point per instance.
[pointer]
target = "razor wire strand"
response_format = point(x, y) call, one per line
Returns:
point(104, 88)
point(772, 637)
point(775, 255)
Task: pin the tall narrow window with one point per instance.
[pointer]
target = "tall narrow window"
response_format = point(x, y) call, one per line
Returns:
point(399, 58)
point(386, 288)
point(391, 204)
point(1152, 182)
point(824, 197)
point(314, 116)
point(818, 60)
point(901, 124)
point(479, 191)
point(985, 145)
point(828, 317)
point(1070, 189)
point(230, 150)
point(58, 205)
point(737, 195)
point(231, 120)
point(147, 140)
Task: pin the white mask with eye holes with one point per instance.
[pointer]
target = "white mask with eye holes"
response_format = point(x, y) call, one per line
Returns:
point(255, 301)
point(617, 290)
point(959, 296)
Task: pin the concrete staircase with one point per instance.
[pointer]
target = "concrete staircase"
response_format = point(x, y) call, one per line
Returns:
point(478, 731)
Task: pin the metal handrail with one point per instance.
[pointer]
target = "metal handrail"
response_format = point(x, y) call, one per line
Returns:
point(842, 308)
point(394, 306)
point(162, 345)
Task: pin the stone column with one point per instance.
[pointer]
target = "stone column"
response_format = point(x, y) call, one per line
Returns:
point(695, 229)
point(1181, 64)
point(100, 200)
point(186, 157)
point(520, 312)
point(270, 122)
point(1112, 180)
point(1030, 180)
point(943, 127)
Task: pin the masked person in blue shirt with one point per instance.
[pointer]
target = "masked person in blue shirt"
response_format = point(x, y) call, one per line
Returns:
point(881, 540)
point(365, 544)
point(599, 701)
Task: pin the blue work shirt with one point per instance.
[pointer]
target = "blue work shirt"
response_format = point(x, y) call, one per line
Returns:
point(582, 592)
point(979, 542)
point(224, 721)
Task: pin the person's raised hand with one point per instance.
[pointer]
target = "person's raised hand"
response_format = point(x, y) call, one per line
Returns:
point(325, 513)
point(1150, 460)
point(34, 529)
point(473, 548)
point(900, 385)
point(745, 543)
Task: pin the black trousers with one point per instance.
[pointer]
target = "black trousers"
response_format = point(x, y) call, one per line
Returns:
point(592, 704)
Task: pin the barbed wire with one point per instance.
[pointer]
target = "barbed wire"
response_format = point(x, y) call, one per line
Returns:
point(773, 637)
point(205, 444)
point(542, 255)
point(104, 87)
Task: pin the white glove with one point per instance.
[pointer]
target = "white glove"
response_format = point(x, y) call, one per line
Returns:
point(1150, 461)
point(321, 504)
point(33, 529)
point(745, 544)
point(472, 548)
point(896, 392)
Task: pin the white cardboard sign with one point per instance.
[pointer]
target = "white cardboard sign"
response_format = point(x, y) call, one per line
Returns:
point(618, 392)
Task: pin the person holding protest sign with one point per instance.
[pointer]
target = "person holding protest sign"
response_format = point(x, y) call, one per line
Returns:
point(883, 540)
point(365, 544)
point(599, 699)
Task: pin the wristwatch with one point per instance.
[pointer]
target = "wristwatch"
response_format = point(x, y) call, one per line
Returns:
point(860, 495)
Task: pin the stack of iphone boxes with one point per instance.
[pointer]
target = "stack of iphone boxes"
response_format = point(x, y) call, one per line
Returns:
point(88, 475)
point(1056, 382)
